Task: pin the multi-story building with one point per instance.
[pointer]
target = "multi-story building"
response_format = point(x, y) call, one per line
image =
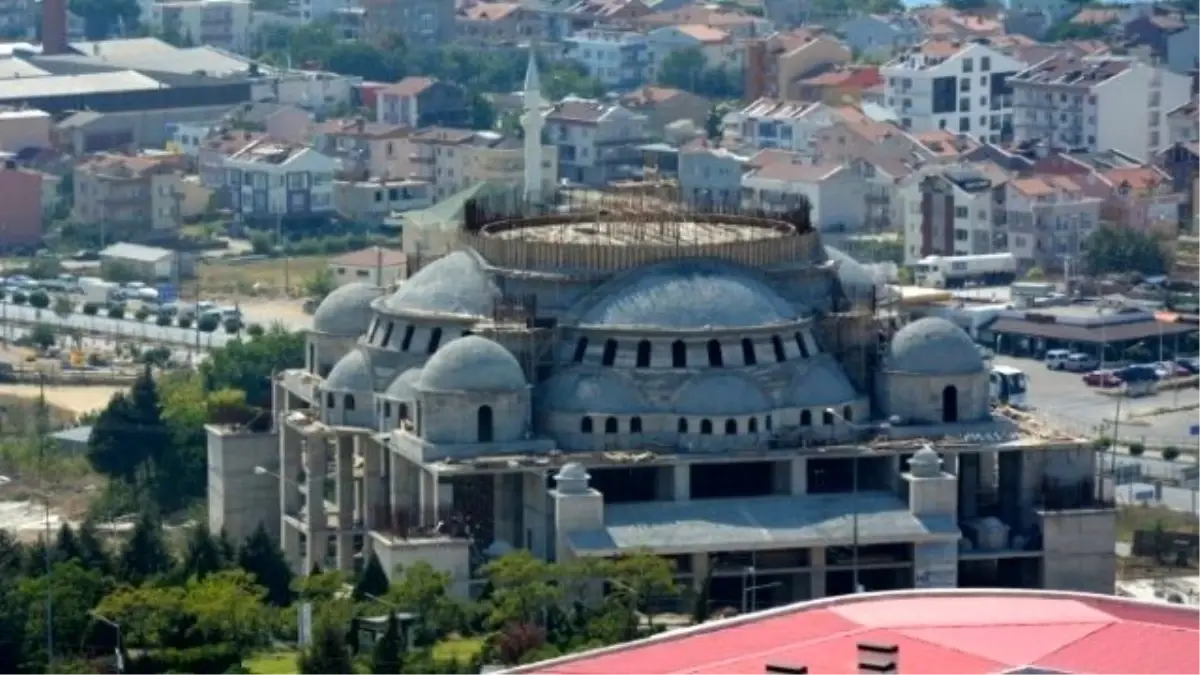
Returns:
point(953, 210)
point(1097, 103)
point(24, 130)
point(962, 88)
point(1048, 217)
point(129, 198)
point(833, 192)
point(1183, 123)
point(423, 22)
point(274, 180)
point(719, 48)
point(787, 125)
point(16, 19)
point(372, 201)
point(882, 36)
point(597, 142)
point(366, 149)
point(1173, 41)
point(664, 105)
point(454, 159)
point(421, 102)
point(774, 64)
point(22, 196)
point(710, 176)
point(617, 58)
point(220, 23)
point(499, 24)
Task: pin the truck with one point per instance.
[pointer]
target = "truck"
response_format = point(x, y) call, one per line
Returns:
point(1008, 386)
point(100, 293)
point(991, 269)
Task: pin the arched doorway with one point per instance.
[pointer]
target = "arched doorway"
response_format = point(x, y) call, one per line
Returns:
point(950, 404)
point(484, 423)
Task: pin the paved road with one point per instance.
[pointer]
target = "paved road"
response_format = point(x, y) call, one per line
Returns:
point(1176, 499)
point(146, 330)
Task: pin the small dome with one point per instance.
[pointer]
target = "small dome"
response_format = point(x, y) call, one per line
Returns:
point(346, 312)
point(472, 363)
point(603, 392)
point(721, 395)
point(933, 346)
point(691, 296)
point(453, 284)
point(821, 383)
point(401, 388)
point(352, 373)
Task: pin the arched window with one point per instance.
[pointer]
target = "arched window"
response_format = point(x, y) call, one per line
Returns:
point(435, 338)
point(848, 413)
point(803, 347)
point(408, 336)
point(950, 404)
point(374, 330)
point(467, 332)
point(580, 349)
point(805, 418)
point(585, 425)
point(387, 409)
point(768, 422)
point(678, 354)
point(610, 352)
point(643, 354)
point(483, 423)
point(402, 411)
point(683, 425)
point(387, 334)
point(731, 427)
point(348, 401)
point(748, 355)
point(610, 425)
point(827, 418)
point(706, 427)
point(715, 358)
point(777, 345)
point(330, 400)
point(635, 425)
point(752, 425)
point(312, 358)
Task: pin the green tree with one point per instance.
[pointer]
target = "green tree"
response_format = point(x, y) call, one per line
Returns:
point(1067, 30)
point(102, 18)
point(373, 581)
point(388, 654)
point(522, 589)
point(12, 626)
point(150, 616)
point(43, 336)
point(93, 553)
point(146, 555)
point(424, 591)
point(66, 546)
point(264, 561)
point(683, 69)
point(482, 113)
point(966, 5)
point(328, 652)
point(63, 307)
point(249, 365)
point(648, 579)
point(712, 124)
point(72, 591)
point(39, 299)
point(130, 441)
point(227, 607)
point(204, 555)
point(320, 284)
point(1114, 248)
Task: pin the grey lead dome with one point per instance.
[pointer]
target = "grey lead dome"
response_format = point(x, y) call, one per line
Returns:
point(472, 363)
point(346, 312)
point(933, 346)
point(352, 373)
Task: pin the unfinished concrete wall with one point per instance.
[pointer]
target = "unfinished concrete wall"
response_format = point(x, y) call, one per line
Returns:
point(239, 500)
point(1079, 550)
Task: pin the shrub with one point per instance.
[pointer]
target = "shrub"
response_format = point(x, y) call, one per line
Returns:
point(208, 324)
point(185, 322)
point(162, 320)
point(142, 314)
point(116, 312)
point(1137, 449)
point(255, 330)
point(19, 298)
point(1103, 443)
point(91, 308)
point(1170, 453)
point(216, 658)
point(39, 299)
point(232, 326)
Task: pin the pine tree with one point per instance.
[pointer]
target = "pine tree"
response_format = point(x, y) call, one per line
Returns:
point(94, 553)
point(388, 654)
point(373, 581)
point(203, 553)
point(262, 558)
point(146, 554)
point(67, 546)
point(328, 653)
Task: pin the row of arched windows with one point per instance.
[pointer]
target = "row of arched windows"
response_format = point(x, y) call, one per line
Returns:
point(406, 340)
point(716, 355)
point(587, 425)
point(331, 401)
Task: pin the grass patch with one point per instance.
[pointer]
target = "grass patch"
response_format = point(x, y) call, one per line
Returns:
point(273, 663)
point(229, 279)
point(1131, 518)
point(461, 649)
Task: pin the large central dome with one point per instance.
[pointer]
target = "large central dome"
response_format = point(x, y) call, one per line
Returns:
point(691, 296)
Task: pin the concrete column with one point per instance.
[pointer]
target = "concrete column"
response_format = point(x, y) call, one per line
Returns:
point(987, 476)
point(681, 482)
point(503, 523)
point(374, 483)
point(816, 557)
point(700, 565)
point(317, 545)
point(290, 542)
point(428, 498)
point(289, 469)
point(799, 477)
point(968, 485)
point(345, 502)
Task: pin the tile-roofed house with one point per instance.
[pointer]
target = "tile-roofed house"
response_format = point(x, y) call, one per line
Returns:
point(946, 145)
point(836, 196)
point(774, 64)
point(1183, 123)
point(132, 196)
point(365, 148)
point(736, 23)
point(664, 105)
point(1169, 38)
point(381, 267)
point(422, 101)
point(597, 142)
point(499, 23)
point(839, 85)
point(705, 34)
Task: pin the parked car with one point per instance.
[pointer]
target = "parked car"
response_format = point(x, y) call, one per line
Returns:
point(1102, 378)
point(1056, 359)
point(1191, 365)
point(1079, 362)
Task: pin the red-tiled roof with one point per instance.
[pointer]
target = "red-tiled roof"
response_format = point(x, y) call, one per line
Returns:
point(955, 631)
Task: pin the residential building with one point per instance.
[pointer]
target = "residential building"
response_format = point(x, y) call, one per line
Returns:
point(226, 24)
point(423, 22)
point(572, 16)
point(87, 132)
point(269, 180)
point(881, 36)
point(1144, 198)
point(350, 22)
point(954, 210)
point(452, 160)
point(373, 201)
point(710, 176)
point(380, 267)
point(421, 102)
point(738, 25)
point(25, 129)
point(1181, 161)
point(129, 198)
point(1183, 123)
point(1054, 11)
point(597, 142)
point(959, 87)
point(1173, 40)
point(16, 19)
point(833, 192)
point(664, 105)
point(719, 47)
point(278, 120)
point(499, 23)
point(792, 56)
point(149, 263)
point(21, 195)
point(1048, 217)
point(787, 125)
point(844, 85)
point(1097, 103)
point(617, 58)
point(881, 156)
point(367, 149)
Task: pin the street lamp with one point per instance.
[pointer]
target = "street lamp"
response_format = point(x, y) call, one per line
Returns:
point(854, 494)
point(117, 627)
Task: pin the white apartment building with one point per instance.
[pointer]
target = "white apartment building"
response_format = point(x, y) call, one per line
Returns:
point(219, 23)
point(1097, 103)
point(1048, 217)
point(953, 210)
point(959, 87)
point(786, 125)
point(273, 179)
point(1184, 124)
point(617, 58)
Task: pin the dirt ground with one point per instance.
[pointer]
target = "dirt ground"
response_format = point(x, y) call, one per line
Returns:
point(77, 399)
point(272, 278)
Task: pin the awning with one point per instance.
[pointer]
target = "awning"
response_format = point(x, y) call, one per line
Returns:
point(1121, 332)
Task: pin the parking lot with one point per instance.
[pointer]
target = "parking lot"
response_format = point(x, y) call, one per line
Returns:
point(1059, 395)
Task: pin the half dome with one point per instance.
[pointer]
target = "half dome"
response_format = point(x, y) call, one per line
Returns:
point(721, 395)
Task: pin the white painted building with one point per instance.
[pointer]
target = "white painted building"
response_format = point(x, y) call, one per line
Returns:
point(787, 125)
point(616, 58)
point(833, 191)
point(227, 24)
point(959, 87)
point(270, 179)
point(380, 267)
point(1097, 103)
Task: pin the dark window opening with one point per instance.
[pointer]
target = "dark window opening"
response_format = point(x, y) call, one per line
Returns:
point(374, 330)
point(635, 425)
point(950, 404)
point(387, 334)
point(610, 425)
point(610, 352)
point(848, 413)
point(643, 354)
point(580, 349)
point(585, 425)
point(752, 425)
point(387, 409)
point(683, 425)
point(484, 422)
point(408, 336)
point(768, 421)
point(467, 332)
point(715, 358)
point(945, 95)
point(330, 401)
point(748, 355)
point(435, 338)
point(731, 427)
point(829, 475)
point(726, 480)
point(402, 411)
point(678, 354)
point(805, 418)
point(827, 418)
point(626, 485)
point(802, 346)
point(348, 402)
point(777, 344)
point(312, 358)
point(706, 427)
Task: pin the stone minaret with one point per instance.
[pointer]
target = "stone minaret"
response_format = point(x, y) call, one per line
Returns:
point(532, 122)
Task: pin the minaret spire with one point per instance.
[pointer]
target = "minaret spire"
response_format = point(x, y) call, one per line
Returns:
point(532, 122)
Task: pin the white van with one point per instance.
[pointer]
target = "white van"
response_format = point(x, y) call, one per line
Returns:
point(1056, 359)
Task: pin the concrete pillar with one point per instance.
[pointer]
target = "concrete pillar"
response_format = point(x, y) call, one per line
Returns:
point(700, 566)
point(290, 542)
point(345, 503)
point(289, 468)
point(428, 498)
point(987, 476)
point(816, 557)
point(681, 482)
point(503, 520)
point(799, 477)
point(968, 485)
point(375, 487)
point(317, 545)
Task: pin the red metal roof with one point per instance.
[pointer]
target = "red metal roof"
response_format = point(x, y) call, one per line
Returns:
point(958, 631)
